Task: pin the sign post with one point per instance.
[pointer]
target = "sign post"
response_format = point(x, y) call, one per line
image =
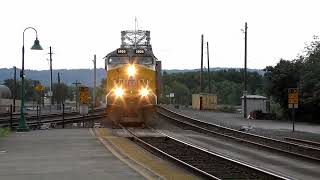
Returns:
point(293, 101)
point(171, 95)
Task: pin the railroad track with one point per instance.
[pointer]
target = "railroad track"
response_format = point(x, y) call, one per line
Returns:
point(303, 142)
point(208, 164)
point(60, 120)
point(288, 148)
point(30, 119)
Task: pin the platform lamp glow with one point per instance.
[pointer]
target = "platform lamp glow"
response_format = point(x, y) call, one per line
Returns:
point(36, 46)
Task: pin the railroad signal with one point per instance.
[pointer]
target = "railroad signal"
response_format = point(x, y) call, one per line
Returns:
point(84, 95)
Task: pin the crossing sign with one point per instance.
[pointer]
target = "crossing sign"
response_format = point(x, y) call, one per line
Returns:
point(39, 87)
point(293, 97)
point(84, 94)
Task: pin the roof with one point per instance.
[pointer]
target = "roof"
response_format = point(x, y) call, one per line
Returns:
point(5, 92)
point(254, 97)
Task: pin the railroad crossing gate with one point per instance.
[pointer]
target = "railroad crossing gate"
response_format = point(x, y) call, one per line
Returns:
point(84, 95)
point(293, 98)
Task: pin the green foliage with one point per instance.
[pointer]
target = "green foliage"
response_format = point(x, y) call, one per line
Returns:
point(227, 84)
point(29, 85)
point(61, 92)
point(286, 74)
point(303, 73)
point(4, 131)
point(275, 108)
point(228, 109)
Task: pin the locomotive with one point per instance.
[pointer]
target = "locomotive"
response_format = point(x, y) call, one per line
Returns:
point(133, 75)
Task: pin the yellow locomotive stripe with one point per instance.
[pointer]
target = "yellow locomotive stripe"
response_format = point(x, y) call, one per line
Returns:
point(142, 157)
point(119, 75)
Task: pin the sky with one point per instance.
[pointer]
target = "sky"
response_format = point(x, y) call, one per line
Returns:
point(78, 29)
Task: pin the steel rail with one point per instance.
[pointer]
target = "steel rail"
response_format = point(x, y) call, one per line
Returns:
point(204, 127)
point(235, 163)
point(203, 173)
point(6, 122)
point(303, 141)
point(66, 120)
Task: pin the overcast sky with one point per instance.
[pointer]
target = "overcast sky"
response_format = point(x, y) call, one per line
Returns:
point(78, 29)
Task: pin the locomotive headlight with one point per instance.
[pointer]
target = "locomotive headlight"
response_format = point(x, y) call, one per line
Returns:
point(119, 91)
point(144, 92)
point(131, 70)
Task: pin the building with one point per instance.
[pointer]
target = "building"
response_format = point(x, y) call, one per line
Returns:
point(255, 103)
point(204, 101)
point(5, 101)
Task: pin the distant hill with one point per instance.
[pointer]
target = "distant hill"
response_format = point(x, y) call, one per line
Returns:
point(68, 76)
point(259, 71)
point(85, 76)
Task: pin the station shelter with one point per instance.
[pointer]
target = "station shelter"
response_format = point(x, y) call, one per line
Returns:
point(255, 103)
point(204, 101)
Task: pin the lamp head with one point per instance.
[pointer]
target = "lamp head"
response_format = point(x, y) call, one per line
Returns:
point(36, 45)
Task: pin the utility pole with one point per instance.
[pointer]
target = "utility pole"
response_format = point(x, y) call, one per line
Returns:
point(201, 70)
point(77, 96)
point(50, 93)
point(59, 93)
point(94, 80)
point(14, 87)
point(245, 73)
point(208, 68)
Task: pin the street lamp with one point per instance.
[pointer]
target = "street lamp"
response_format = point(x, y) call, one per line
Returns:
point(36, 46)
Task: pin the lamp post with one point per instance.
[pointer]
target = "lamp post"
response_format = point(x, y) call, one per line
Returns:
point(36, 46)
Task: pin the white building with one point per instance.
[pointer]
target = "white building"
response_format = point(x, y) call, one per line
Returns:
point(254, 103)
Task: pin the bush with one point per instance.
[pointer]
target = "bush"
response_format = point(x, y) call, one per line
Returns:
point(275, 108)
point(4, 131)
point(228, 109)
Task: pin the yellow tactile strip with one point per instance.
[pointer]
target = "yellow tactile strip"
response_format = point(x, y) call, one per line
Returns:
point(144, 158)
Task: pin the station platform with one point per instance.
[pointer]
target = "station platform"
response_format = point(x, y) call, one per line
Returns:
point(59, 154)
point(80, 154)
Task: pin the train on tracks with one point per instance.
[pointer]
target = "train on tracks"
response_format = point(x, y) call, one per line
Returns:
point(133, 75)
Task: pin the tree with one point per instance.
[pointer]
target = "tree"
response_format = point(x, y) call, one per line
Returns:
point(286, 74)
point(61, 92)
point(182, 93)
point(30, 93)
point(302, 73)
point(310, 81)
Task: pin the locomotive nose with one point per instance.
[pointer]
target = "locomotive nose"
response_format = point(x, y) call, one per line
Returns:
point(131, 70)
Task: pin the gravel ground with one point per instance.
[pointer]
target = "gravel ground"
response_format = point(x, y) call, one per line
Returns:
point(270, 128)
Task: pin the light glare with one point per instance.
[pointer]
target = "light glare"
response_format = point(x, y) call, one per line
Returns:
point(131, 70)
point(119, 92)
point(144, 92)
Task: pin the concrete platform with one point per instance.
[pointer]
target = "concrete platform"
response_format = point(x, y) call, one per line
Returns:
point(144, 162)
point(59, 154)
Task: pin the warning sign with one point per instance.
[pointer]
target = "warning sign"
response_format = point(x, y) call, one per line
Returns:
point(84, 95)
point(39, 87)
point(293, 97)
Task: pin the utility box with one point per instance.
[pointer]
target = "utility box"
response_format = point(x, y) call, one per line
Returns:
point(204, 101)
point(255, 103)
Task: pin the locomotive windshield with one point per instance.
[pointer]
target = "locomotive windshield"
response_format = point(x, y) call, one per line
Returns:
point(123, 60)
point(117, 60)
point(146, 61)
